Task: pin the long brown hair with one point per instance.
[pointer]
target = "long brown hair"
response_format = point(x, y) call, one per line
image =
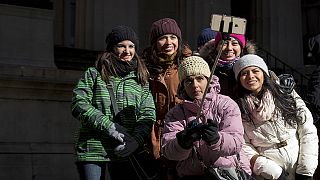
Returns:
point(106, 68)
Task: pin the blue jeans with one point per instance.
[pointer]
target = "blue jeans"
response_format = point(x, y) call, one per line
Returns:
point(106, 171)
point(93, 171)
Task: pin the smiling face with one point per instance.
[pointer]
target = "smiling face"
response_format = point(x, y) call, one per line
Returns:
point(230, 50)
point(195, 86)
point(252, 78)
point(125, 50)
point(168, 44)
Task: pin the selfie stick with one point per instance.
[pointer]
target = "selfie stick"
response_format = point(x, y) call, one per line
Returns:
point(224, 37)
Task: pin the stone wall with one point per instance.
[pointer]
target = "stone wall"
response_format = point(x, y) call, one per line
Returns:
point(37, 129)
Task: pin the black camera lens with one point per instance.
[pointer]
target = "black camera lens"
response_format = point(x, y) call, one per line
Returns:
point(193, 124)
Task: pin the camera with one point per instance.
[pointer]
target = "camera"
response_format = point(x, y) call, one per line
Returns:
point(194, 124)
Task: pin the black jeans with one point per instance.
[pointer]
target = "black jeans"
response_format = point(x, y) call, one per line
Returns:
point(122, 170)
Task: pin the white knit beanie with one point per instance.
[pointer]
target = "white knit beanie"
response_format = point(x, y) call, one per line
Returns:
point(193, 65)
point(249, 60)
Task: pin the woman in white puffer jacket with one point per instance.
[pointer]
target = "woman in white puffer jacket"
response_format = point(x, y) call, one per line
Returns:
point(280, 138)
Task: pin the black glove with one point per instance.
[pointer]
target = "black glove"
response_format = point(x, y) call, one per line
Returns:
point(209, 132)
point(303, 177)
point(129, 146)
point(189, 135)
point(283, 175)
point(286, 82)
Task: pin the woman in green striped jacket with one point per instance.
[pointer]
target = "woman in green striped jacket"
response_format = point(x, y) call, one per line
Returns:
point(111, 131)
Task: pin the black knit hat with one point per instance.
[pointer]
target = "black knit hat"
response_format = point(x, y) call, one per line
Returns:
point(162, 27)
point(121, 33)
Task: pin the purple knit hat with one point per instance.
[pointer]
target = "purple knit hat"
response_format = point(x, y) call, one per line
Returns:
point(239, 37)
point(162, 27)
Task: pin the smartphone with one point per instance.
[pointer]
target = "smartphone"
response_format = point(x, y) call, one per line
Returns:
point(228, 24)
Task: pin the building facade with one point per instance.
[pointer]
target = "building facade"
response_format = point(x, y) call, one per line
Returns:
point(46, 45)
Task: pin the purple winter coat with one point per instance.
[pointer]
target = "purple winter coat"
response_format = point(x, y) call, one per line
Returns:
point(222, 154)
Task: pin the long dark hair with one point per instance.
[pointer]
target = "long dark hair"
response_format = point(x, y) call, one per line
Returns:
point(283, 101)
point(104, 65)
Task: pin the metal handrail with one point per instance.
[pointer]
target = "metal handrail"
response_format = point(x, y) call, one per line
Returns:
point(280, 67)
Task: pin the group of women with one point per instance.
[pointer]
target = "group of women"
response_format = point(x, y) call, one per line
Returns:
point(167, 99)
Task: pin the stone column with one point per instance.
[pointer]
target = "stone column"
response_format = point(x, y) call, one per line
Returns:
point(279, 30)
point(94, 19)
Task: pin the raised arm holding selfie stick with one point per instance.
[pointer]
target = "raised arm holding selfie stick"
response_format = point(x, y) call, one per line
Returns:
point(205, 132)
point(221, 26)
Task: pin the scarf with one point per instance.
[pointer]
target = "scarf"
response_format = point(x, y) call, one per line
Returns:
point(227, 65)
point(123, 68)
point(161, 63)
point(261, 110)
point(164, 59)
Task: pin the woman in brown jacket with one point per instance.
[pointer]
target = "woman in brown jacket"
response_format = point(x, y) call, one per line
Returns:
point(162, 58)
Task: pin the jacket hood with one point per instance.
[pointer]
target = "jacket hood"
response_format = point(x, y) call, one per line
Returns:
point(209, 49)
point(214, 85)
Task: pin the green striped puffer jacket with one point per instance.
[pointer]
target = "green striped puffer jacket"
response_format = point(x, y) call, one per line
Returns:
point(91, 105)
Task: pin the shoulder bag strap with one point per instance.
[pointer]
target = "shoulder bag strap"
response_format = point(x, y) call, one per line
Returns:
point(113, 99)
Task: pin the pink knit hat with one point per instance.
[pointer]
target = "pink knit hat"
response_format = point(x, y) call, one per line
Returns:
point(239, 37)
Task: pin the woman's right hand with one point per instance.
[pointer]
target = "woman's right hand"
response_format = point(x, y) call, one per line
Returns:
point(189, 135)
point(268, 169)
point(117, 131)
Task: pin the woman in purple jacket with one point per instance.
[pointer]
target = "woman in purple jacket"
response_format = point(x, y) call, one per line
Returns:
point(216, 138)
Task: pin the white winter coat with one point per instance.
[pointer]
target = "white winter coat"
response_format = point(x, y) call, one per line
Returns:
point(300, 155)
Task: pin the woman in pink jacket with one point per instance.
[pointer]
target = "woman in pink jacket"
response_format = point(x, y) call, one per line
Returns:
point(216, 138)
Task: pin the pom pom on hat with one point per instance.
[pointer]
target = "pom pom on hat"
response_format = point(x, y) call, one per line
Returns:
point(164, 26)
point(193, 65)
point(240, 37)
point(206, 35)
point(249, 60)
point(121, 33)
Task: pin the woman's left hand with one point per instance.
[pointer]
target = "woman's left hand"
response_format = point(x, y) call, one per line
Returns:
point(128, 147)
point(209, 132)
